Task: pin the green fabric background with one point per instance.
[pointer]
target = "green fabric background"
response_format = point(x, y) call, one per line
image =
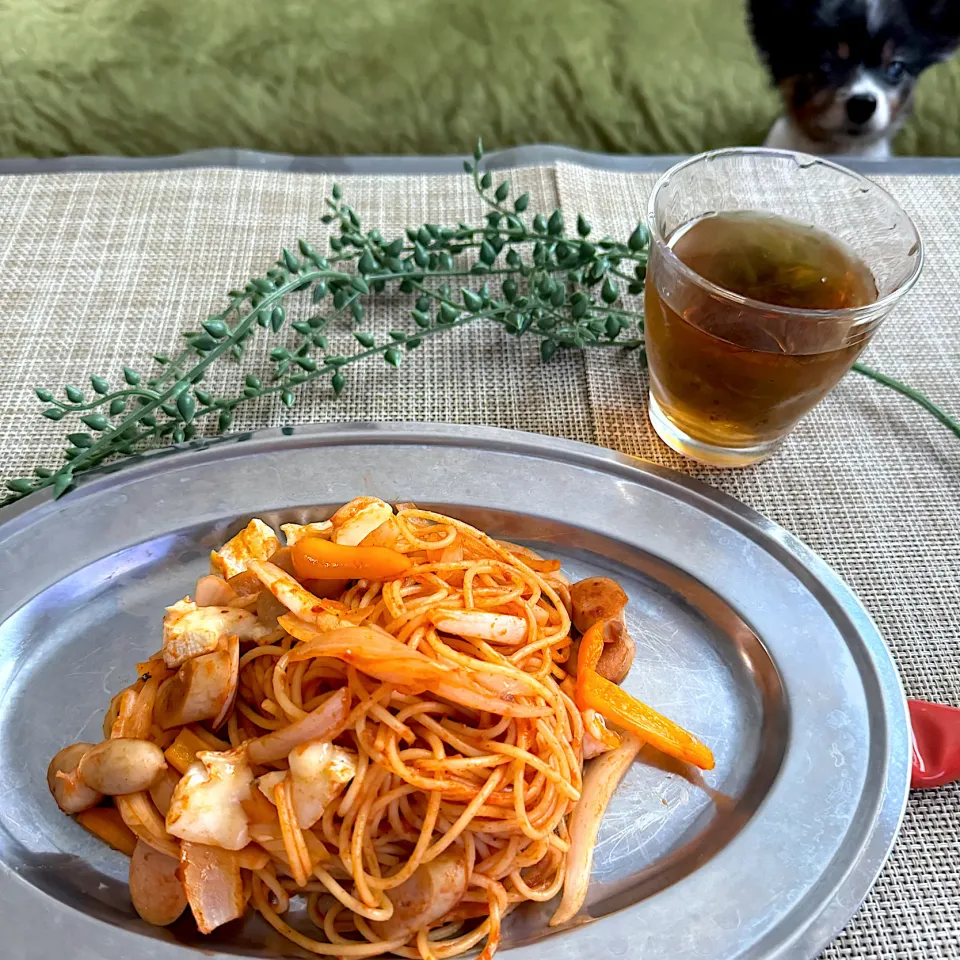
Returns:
point(145, 77)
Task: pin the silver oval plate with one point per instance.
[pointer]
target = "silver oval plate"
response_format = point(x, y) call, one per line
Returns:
point(742, 634)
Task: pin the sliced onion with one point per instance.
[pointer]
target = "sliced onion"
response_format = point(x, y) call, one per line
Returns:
point(143, 818)
point(326, 722)
point(233, 649)
point(599, 782)
point(212, 882)
point(202, 689)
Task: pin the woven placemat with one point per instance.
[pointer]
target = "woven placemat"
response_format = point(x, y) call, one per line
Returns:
point(104, 269)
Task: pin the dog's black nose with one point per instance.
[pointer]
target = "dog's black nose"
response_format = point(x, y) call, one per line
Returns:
point(861, 107)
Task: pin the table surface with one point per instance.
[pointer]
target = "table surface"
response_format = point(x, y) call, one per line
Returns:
point(105, 261)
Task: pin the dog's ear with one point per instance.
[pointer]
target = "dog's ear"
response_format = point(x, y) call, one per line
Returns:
point(938, 22)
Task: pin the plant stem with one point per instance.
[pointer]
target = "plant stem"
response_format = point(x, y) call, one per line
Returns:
point(915, 395)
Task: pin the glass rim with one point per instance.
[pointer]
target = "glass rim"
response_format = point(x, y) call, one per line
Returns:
point(803, 160)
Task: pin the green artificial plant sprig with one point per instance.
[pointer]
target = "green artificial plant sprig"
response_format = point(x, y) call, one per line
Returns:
point(566, 290)
point(563, 290)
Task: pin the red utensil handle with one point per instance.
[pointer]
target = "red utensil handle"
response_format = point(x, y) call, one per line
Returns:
point(936, 744)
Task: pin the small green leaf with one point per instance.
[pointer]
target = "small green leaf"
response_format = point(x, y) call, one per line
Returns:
point(555, 224)
point(365, 339)
point(503, 191)
point(420, 318)
point(397, 335)
point(161, 358)
point(487, 254)
point(280, 353)
point(306, 250)
point(287, 398)
point(319, 292)
point(420, 256)
point(44, 473)
point(203, 343)
point(635, 288)
point(277, 317)
point(393, 356)
point(583, 226)
point(169, 409)
point(336, 244)
point(203, 397)
point(96, 421)
point(413, 343)
point(338, 381)
point(20, 485)
point(360, 285)
point(471, 300)
point(540, 223)
point(262, 284)
point(216, 328)
point(510, 289)
point(44, 395)
point(467, 166)
point(60, 485)
point(117, 406)
point(579, 308)
point(254, 382)
point(448, 314)
point(639, 238)
point(336, 192)
point(522, 202)
point(131, 376)
point(486, 181)
point(179, 435)
point(547, 350)
point(100, 385)
point(367, 264)
point(224, 420)
point(304, 329)
point(290, 261)
point(186, 407)
point(478, 150)
point(356, 308)
point(609, 291)
point(340, 299)
point(73, 394)
point(307, 363)
point(640, 272)
point(612, 327)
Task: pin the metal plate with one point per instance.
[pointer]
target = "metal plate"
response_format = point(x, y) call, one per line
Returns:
point(742, 635)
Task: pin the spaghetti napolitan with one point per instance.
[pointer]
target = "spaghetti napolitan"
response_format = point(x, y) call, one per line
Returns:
point(379, 716)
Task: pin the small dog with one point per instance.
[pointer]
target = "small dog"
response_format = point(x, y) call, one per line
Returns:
point(846, 69)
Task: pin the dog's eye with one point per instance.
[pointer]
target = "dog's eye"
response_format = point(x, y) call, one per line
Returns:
point(894, 71)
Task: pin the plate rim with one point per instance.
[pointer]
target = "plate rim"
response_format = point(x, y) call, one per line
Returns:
point(820, 928)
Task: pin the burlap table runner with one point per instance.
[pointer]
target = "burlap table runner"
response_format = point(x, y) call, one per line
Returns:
point(103, 269)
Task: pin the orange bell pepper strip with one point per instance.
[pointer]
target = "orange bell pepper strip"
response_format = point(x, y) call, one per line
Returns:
point(316, 559)
point(616, 705)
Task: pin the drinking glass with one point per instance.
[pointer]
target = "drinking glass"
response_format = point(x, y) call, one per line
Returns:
point(731, 376)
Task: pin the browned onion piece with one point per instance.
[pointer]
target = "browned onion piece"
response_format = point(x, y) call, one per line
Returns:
point(203, 688)
point(212, 882)
point(325, 722)
point(600, 780)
